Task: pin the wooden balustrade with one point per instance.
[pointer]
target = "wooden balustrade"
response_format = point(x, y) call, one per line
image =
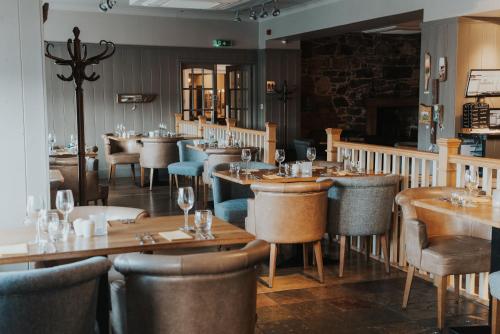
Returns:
point(264, 140)
point(417, 169)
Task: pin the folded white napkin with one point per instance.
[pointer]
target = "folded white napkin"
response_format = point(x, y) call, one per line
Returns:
point(15, 249)
point(175, 235)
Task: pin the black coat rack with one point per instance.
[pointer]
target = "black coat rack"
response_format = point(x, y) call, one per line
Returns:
point(78, 64)
point(284, 94)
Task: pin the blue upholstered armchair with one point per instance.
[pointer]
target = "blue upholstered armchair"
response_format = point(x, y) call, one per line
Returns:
point(230, 199)
point(190, 163)
point(60, 299)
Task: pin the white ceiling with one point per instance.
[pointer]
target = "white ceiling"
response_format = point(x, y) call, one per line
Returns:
point(225, 9)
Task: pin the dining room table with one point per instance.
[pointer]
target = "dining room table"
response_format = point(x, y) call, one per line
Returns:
point(230, 150)
point(124, 236)
point(480, 211)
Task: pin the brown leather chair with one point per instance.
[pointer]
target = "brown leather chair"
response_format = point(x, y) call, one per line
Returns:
point(111, 212)
point(441, 245)
point(289, 213)
point(120, 152)
point(196, 293)
point(157, 153)
point(362, 206)
point(69, 170)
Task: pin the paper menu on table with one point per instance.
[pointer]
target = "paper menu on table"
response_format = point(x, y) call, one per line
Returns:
point(175, 235)
point(15, 249)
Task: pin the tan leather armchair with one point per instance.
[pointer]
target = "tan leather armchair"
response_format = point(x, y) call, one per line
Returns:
point(111, 212)
point(441, 245)
point(212, 161)
point(120, 152)
point(69, 170)
point(289, 213)
point(196, 293)
point(157, 153)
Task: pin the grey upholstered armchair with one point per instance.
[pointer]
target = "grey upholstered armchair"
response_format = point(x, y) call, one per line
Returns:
point(362, 206)
point(196, 293)
point(54, 300)
point(441, 245)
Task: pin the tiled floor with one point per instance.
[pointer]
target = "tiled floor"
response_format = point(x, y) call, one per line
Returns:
point(365, 301)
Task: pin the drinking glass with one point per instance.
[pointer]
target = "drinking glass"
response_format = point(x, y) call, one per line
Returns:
point(65, 203)
point(52, 141)
point(55, 227)
point(311, 153)
point(35, 210)
point(203, 222)
point(246, 156)
point(185, 200)
point(472, 181)
point(346, 159)
point(280, 157)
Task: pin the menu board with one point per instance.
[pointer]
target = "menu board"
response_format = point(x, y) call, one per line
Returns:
point(483, 83)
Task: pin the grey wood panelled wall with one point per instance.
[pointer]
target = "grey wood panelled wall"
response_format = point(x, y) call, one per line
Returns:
point(281, 65)
point(439, 38)
point(133, 69)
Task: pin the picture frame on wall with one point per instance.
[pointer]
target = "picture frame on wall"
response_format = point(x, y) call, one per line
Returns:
point(270, 86)
point(443, 68)
point(424, 114)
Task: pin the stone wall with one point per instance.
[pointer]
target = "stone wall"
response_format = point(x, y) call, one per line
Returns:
point(340, 73)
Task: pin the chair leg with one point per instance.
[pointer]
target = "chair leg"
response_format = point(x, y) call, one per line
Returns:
point(367, 248)
point(151, 175)
point(176, 182)
point(318, 255)
point(132, 169)
point(142, 177)
point(385, 252)
point(112, 169)
point(342, 255)
point(456, 285)
point(441, 282)
point(272, 265)
point(495, 313)
point(305, 255)
point(409, 280)
point(170, 179)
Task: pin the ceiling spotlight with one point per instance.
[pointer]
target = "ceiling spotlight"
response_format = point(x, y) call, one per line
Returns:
point(105, 5)
point(252, 15)
point(263, 12)
point(237, 17)
point(276, 10)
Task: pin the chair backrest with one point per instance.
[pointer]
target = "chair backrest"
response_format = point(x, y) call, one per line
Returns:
point(289, 212)
point(438, 224)
point(224, 190)
point(111, 212)
point(60, 299)
point(125, 145)
point(69, 170)
point(214, 160)
point(361, 206)
point(301, 146)
point(197, 293)
point(158, 154)
point(187, 154)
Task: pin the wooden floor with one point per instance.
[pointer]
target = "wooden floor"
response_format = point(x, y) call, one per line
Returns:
point(366, 300)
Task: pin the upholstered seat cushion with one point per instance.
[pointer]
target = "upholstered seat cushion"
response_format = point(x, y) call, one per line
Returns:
point(123, 158)
point(233, 211)
point(495, 284)
point(448, 255)
point(187, 168)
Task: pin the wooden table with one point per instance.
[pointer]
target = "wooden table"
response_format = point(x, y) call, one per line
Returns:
point(483, 213)
point(121, 238)
point(260, 176)
point(220, 150)
point(68, 154)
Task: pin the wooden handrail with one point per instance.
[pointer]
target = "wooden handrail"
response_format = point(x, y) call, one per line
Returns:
point(387, 150)
point(474, 161)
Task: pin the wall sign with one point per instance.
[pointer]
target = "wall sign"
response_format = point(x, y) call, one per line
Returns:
point(222, 43)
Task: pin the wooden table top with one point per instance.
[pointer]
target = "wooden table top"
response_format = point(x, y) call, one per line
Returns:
point(268, 176)
point(483, 213)
point(220, 150)
point(121, 238)
point(68, 154)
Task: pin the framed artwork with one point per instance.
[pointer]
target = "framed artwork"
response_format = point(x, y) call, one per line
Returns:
point(270, 86)
point(443, 69)
point(427, 71)
point(424, 114)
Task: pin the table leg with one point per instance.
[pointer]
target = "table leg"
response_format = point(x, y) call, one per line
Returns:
point(494, 266)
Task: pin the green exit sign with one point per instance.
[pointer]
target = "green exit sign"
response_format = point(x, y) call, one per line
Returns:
point(222, 43)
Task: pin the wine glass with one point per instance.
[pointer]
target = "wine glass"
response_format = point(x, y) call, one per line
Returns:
point(280, 157)
point(35, 209)
point(346, 159)
point(246, 156)
point(185, 200)
point(65, 203)
point(52, 141)
point(471, 181)
point(311, 154)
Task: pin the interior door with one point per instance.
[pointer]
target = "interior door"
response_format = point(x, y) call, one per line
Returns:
point(198, 91)
point(238, 81)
